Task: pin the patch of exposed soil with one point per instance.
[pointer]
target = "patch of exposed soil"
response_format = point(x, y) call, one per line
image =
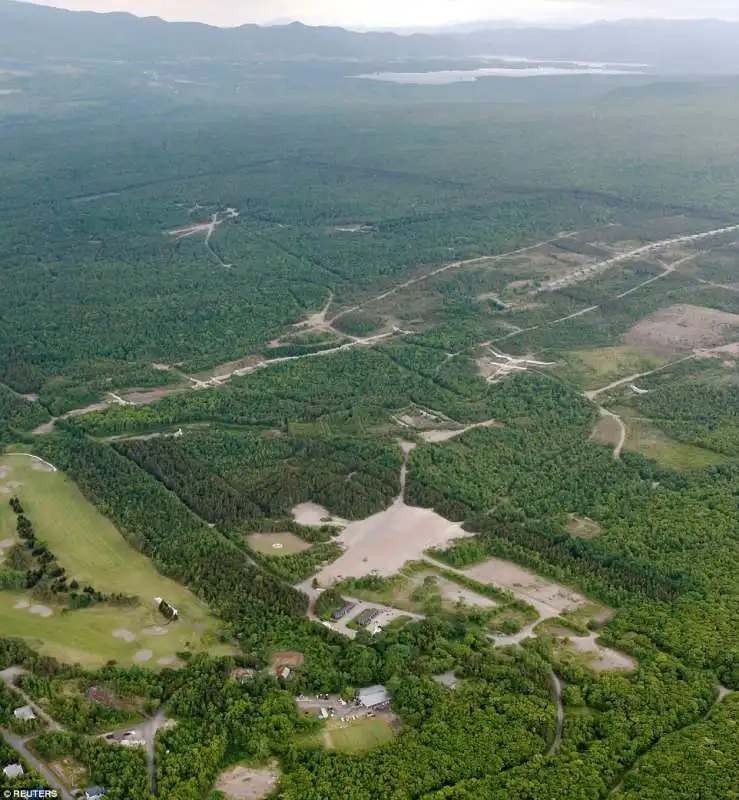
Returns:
point(313, 514)
point(384, 542)
point(603, 658)
point(683, 327)
point(583, 527)
point(548, 598)
point(245, 783)
point(289, 658)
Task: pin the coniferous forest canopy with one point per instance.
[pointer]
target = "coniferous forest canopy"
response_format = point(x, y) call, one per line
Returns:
point(233, 288)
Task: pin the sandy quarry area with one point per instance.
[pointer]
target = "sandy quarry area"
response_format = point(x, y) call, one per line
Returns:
point(683, 327)
point(243, 783)
point(548, 598)
point(384, 542)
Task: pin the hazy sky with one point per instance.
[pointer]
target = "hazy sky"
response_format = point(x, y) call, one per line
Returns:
point(404, 13)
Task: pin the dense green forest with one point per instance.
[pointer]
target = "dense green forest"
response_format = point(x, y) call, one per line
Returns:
point(159, 228)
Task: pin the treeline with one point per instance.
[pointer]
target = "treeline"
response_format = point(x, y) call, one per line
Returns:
point(697, 412)
point(44, 575)
point(180, 545)
point(18, 415)
point(227, 476)
point(121, 770)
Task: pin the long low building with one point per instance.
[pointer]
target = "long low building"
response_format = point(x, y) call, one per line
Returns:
point(373, 696)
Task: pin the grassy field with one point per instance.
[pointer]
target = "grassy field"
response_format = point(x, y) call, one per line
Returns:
point(91, 550)
point(353, 737)
point(594, 368)
point(264, 543)
point(643, 437)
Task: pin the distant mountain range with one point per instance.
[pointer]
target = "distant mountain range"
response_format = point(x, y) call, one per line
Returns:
point(31, 32)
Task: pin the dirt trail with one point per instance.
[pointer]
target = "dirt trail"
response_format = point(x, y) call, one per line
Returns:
point(722, 694)
point(668, 271)
point(622, 440)
point(591, 395)
point(648, 249)
point(440, 270)
point(37, 459)
point(557, 690)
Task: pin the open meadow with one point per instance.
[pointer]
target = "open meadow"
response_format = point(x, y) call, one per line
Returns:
point(92, 551)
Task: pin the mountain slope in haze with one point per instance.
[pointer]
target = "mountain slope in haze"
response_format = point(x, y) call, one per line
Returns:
point(30, 31)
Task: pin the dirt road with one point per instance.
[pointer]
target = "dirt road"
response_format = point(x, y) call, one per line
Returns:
point(648, 249)
point(8, 677)
point(37, 459)
point(622, 440)
point(557, 691)
point(440, 270)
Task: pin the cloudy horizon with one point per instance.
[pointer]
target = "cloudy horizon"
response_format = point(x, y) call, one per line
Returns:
point(408, 14)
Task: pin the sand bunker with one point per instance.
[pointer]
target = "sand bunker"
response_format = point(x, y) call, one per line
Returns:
point(313, 514)
point(603, 658)
point(22, 604)
point(143, 655)
point(6, 543)
point(156, 630)
point(122, 633)
point(41, 466)
point(548, 598)
point(384, 542)
point(683, 327)
point(4, 471)
point(167, 661)
point(41, 611)
point(243, 783)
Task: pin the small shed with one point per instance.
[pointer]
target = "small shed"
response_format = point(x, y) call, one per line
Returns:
point(25, 713)
point(13, 771)
point(283, 672)
point(95, 793)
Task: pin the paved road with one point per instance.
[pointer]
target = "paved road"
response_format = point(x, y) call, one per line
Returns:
point(19, 745)
point(8, 676)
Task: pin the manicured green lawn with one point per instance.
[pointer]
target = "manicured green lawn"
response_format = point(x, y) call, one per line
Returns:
point(93, 552)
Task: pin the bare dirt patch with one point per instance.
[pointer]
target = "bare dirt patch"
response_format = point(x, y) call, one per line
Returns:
point(583, 527)
point(683, 327)
point(436, 436)
point(600, 658)
point(313, 514)
point(245, 783)
point(288, 658)
point(452, 593)
point(548, 598)
point(384, 542)
point(276, 544)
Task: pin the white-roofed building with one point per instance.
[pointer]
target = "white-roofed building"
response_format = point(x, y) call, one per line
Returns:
point(373, 696)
